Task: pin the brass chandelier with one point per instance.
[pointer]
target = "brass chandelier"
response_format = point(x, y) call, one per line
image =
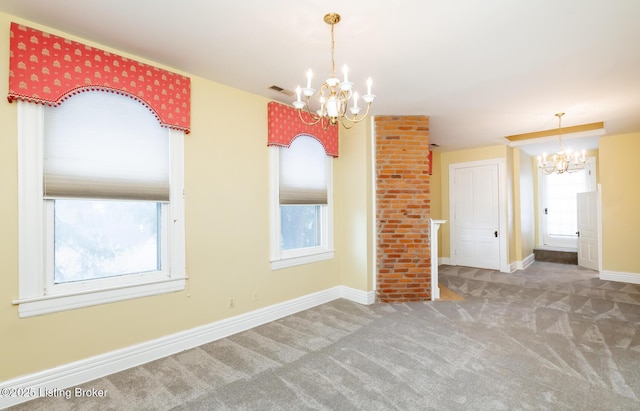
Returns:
point(563, 161)
point(333, 95)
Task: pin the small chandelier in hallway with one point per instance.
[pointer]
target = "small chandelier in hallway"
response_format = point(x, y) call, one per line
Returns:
point(562, 161)
point(333, 95)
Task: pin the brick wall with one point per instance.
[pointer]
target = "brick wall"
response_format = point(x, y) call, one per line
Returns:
point(402, 208)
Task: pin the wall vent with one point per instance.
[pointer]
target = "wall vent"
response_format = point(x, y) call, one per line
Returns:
point(282, 90)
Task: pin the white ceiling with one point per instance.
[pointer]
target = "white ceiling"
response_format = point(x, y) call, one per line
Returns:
point(481, 70)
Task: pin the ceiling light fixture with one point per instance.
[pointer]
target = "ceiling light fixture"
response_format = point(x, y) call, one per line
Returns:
point(333, 95)
point(563, 161)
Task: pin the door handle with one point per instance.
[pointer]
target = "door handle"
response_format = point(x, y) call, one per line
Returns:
point(578, 233)
point(495, 234)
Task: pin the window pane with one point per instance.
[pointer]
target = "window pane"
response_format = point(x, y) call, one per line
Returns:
point(97, 239)
point(300, 226)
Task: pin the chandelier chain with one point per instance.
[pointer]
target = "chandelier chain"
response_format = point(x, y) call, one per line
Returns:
point(559, 115)
point(333, 62)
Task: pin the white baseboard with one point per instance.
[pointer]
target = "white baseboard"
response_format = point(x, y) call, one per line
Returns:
point(435, 292)
point(530, 259)
point(357, 296)
point(633, 278)
point(79, 372)
point(508, 268)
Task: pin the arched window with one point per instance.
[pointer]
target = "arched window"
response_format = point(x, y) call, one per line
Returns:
point(301, 189)
point(101, 203)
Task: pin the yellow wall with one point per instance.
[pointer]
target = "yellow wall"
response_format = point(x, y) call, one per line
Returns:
point(511, 180)
point(227, 234)
point(619, 173)
point(435, 188)
point(354, 208)
point(524, 206)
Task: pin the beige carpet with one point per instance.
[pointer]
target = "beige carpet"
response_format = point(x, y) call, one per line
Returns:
point(551, 337)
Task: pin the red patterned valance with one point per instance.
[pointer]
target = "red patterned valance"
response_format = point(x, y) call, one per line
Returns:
point(48, 69)
point(285, 125)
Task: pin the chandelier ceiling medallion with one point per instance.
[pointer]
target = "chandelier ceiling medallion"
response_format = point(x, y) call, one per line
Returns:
point(563, 161)
point(333, 96)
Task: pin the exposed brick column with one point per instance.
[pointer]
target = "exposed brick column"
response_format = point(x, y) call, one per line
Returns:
point(403, 208)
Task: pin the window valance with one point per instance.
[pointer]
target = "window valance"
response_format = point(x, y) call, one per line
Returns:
point(48, 69)
point(285, 126)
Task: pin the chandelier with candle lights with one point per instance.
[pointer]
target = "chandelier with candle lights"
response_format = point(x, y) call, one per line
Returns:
point(563, 161)
point(333, 96)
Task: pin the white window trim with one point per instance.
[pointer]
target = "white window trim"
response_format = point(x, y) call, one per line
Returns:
point(32, 256)
point(289, 258)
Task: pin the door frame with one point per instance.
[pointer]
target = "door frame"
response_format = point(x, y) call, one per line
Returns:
point(592, 185)
point(502, 210)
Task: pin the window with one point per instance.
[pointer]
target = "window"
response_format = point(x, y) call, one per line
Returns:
point(101, 203)
point(301, 203)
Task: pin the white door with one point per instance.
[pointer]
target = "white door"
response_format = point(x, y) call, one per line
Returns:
point(588, 230)
point(477, 218)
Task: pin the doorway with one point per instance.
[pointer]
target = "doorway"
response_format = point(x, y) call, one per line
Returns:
point(559, 205)
point(478, 214)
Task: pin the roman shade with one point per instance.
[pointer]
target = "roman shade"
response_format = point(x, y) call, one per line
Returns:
point(105, 146)
point(303, 172)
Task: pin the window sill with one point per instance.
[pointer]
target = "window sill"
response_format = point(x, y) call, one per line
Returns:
point(30, 307)
point(291, 261)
